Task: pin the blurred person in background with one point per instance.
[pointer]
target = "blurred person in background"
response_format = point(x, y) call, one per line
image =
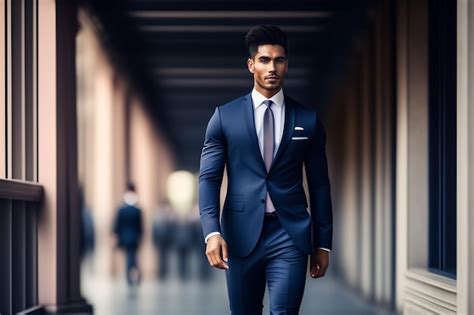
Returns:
point(87, 230)
point(185, 241)
point(128, 229)
point(163, 231)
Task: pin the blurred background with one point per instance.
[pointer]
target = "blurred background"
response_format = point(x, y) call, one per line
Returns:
point(104, 107)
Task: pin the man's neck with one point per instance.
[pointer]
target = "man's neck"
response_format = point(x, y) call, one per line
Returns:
point(266, 93)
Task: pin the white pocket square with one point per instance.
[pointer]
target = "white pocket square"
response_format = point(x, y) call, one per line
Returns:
point(299, 138)
point(299, 128)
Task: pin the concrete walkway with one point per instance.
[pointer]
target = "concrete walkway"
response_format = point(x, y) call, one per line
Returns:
point(174, 297)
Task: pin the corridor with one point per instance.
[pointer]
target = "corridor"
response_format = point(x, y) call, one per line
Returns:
point(104, 108)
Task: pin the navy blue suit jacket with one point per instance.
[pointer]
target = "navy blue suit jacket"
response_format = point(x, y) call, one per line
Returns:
point(128, 226)
point(231, 141)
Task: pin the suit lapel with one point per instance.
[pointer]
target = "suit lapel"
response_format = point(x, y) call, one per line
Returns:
point(287, 129)
point(250, 122)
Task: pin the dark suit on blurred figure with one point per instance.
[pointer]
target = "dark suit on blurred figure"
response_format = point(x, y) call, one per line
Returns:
point(128, 227)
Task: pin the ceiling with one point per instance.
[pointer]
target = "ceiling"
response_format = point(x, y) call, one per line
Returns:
point(187, 57)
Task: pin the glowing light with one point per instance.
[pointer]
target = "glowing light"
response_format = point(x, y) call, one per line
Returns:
point(181, 189)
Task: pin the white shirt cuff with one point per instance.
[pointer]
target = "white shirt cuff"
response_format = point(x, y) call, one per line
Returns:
point(209, 235)
point(326, 249)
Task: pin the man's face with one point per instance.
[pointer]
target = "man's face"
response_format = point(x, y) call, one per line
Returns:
point(269, 67)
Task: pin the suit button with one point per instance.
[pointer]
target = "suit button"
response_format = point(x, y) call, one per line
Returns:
point(262, 200)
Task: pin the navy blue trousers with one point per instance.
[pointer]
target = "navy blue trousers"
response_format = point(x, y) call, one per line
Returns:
point(275, 261)
point(131, 263)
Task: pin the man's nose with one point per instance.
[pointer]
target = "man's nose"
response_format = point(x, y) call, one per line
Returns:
point(272, 66)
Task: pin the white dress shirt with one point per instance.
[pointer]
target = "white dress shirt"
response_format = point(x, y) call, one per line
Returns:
point(278, 109)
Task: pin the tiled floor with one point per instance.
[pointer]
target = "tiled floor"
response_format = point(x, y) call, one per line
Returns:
point(173, 297)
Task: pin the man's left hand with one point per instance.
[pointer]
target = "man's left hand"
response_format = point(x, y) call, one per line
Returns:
point(319, 262)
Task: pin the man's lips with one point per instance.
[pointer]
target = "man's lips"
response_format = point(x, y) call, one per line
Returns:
point(272, 78)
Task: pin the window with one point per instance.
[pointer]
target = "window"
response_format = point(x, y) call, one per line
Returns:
point(442, 137)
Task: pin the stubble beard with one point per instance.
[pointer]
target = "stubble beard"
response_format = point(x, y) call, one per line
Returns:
point(270, 87)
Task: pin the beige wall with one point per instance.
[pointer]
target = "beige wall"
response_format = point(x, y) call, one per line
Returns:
point(118, 141)
point(360, 128)
point(47, 232)
point(465, 151)
point(386, 265)
point(150, 166)
point(3, 66)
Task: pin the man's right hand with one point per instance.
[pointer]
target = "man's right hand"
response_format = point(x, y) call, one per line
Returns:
point(216, 252)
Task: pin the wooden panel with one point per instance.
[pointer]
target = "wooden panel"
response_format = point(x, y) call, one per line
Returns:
point(31, 239)
point(30, 119)
point(6, 252)
point(17, 126)
point(19, 256)
point(18, 266)
point(20, 190)
point(8, 84)
point(3, 24)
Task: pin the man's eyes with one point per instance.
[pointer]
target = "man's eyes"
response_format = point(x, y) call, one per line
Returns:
point(276, 61)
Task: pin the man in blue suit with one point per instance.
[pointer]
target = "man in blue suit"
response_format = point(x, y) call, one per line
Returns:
point(265, 233)
point(128, 228)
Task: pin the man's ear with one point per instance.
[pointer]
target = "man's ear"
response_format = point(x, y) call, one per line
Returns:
point(251, 65)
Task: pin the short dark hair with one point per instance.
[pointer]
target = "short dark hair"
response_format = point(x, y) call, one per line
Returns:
point(131, 186)
point(264, 35)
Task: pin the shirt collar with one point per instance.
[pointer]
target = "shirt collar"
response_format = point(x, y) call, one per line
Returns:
point(258, 98)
